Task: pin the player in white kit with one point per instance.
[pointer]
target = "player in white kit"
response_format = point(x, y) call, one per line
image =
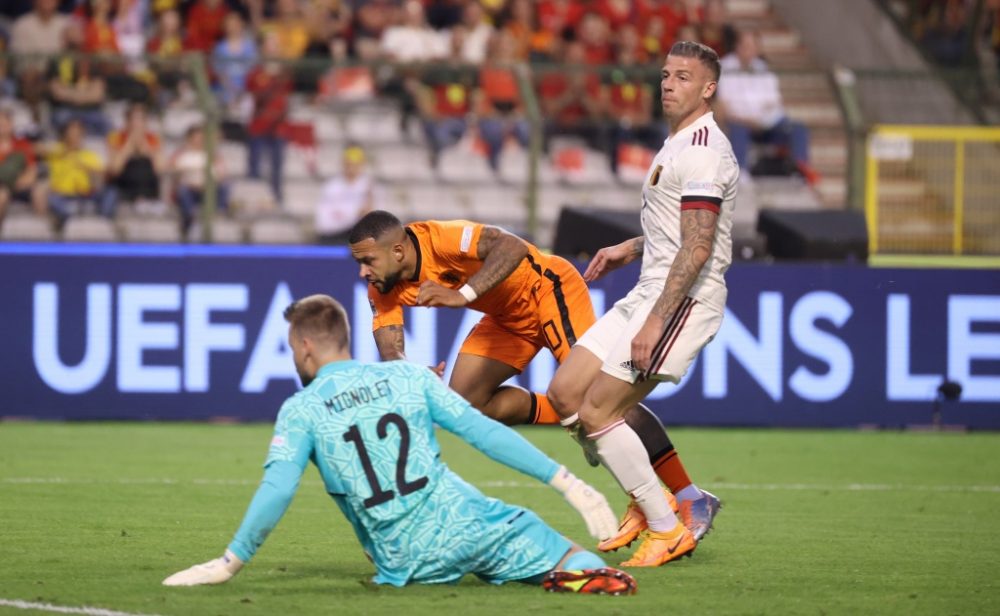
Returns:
point(675, 309)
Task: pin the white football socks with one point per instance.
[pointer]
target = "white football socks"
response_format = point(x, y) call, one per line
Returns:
point(623, 454)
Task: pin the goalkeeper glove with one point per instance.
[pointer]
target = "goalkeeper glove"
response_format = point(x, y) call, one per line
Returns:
point(213, 572)
point(589, 503)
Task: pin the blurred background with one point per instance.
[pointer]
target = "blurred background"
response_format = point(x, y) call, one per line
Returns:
point(169, 130)
point(232, 121)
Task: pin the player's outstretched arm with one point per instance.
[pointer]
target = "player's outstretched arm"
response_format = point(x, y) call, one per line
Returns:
point(611, 258)
point(269, 504)
point(504, 445)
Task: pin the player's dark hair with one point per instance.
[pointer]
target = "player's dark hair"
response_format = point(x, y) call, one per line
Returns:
point(373, 225)
point(703, 53)
point(319, 316)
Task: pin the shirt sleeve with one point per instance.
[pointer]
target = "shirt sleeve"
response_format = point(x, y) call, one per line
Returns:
point(281, 480)
point(289, 453)
point(456, 241)
point(386, 309)
point(698, 171)
point(293, 438)
point(497, 441)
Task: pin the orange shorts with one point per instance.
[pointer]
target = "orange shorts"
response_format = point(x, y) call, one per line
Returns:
point(555, 314)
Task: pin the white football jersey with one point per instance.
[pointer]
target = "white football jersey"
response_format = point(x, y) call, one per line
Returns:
point(695, 169)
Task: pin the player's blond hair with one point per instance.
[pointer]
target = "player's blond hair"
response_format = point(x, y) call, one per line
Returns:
point(319, 317)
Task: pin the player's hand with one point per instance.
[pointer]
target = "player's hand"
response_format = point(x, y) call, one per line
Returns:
point(609, 259)
point(438, 370)
point(588, 502)
point(645, 341)
point(213, 572)
point(432, 294)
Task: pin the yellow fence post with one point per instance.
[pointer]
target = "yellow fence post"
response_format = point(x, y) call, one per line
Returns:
point(958, 220)
point(871, 194)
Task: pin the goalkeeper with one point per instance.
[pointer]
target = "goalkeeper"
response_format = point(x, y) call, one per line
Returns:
point(369, 428)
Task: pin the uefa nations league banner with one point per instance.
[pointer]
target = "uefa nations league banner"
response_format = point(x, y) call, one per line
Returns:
point(146, 332)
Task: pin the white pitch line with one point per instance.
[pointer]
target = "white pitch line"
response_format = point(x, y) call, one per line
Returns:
point(764, 487)
point(63, 609)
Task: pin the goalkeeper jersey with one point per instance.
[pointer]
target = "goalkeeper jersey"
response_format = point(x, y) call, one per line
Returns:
point(369, 429)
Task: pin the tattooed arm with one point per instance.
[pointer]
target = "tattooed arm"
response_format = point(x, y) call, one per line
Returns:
point(501, 253)
point(389, 340)
point(697, 236)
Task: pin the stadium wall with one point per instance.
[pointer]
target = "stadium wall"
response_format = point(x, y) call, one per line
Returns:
point(195, 333)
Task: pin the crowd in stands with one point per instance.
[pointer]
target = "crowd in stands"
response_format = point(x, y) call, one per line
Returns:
point(455, 66)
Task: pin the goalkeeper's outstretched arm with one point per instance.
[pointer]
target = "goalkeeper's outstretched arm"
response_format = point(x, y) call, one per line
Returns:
point(455, 414)
point(281, 479)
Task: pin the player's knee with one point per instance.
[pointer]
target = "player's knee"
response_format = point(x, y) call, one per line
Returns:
point(565, 396)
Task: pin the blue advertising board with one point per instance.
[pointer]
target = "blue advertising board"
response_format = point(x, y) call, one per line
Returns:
point(146, 332)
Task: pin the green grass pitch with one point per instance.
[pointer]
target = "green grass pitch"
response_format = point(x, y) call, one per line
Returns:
point(814, 522)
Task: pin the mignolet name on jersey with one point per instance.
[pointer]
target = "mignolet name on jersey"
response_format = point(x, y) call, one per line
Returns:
point(695, 169)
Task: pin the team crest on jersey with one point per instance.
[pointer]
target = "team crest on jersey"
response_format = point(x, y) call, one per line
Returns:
point(655, 178)
point(371, 303)
point(450, 277)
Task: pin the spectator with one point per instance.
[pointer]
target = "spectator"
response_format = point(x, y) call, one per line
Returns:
point(166, 41)
point(948, 40)
point(270, 86)
point(444, 97)
point(618, 13)
point(477, 33)
point(76, 90)
point(135, 162)
point(233, 59)
point(165, 48)
point(372, 19)
point(328, 22)
point(129, 26)
point(18, 170)
point(594, 34)
point(630, 99)
point(75, 176)
point(501, 110)
point(345, 199)
point(559, 16)
point(291, 35)
point(98, 33)
point(38, 32)
point(571, 99)
point(188, 167)
point(671, 15)
point(531, 42)
point(413, 40)
point(205, 24)
point(714, 30)
point(750, 101)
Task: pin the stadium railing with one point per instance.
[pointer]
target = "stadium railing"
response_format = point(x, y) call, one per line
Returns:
point(932, 189)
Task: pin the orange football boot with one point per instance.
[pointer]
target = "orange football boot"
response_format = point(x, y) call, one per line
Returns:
point(632, 523)
point(660, 548)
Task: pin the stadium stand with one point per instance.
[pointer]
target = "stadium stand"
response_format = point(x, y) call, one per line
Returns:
point(345, 88)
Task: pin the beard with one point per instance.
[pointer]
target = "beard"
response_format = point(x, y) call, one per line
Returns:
point(387, 284)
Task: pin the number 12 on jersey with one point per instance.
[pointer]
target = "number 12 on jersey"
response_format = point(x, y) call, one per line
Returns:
point(380, 495)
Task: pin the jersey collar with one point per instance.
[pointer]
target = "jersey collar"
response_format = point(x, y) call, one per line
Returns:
point(336, 366)
point(416, 245)
point(704, 120)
